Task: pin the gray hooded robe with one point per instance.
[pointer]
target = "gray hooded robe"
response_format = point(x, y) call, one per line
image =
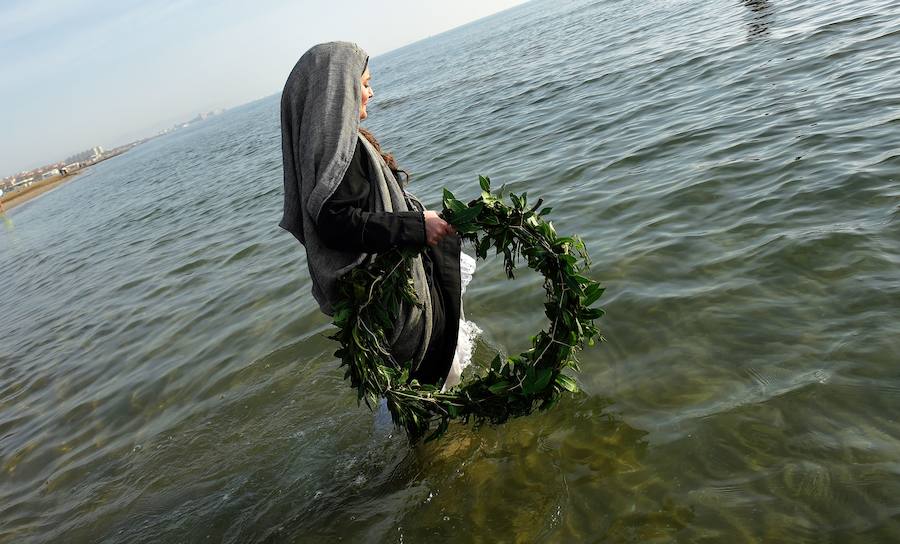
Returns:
point(319, 132)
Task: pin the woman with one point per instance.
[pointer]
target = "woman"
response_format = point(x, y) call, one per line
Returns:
point(344, 202)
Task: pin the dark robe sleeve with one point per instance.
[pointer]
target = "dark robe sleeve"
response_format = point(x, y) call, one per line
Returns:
point(345, 223)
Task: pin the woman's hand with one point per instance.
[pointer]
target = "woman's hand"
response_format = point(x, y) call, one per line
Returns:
point(436, 228)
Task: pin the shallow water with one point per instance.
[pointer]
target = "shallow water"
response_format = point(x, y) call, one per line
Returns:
point(733, 168)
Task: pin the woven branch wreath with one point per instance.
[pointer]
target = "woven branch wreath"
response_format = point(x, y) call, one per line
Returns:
point(371, 296)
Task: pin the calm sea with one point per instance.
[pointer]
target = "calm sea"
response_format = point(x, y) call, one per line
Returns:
point(733, 166)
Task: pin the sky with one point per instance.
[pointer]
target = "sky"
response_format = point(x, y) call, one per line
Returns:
point(80, 73)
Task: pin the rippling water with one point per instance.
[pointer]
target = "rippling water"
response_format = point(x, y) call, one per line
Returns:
point(733, 167)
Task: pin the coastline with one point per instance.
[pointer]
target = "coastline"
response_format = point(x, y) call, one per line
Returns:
point(11, 200)
point(36, 190)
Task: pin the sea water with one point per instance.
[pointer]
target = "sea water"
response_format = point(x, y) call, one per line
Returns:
point(165, 375)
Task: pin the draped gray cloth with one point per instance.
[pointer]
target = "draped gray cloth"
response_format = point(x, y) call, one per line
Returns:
point(319, 130)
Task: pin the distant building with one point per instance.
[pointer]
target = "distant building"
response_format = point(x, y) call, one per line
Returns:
point(91, 155)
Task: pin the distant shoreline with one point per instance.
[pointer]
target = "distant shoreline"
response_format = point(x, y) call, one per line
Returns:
point(11, 200)
point(36, 190)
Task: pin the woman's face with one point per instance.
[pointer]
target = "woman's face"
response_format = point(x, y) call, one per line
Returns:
point(367, 92)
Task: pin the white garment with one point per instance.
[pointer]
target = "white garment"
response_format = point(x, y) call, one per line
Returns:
point(468, 330)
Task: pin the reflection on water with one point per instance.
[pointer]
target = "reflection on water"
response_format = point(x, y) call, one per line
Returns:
point(761, 17)
point(7, 222)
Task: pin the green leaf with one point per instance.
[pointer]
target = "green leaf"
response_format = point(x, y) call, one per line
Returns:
point(483, 247)
point(592, 293)
point(538, 381)
point(451, 203)
point(511, 363)
point(341, 316)
point(499, 388)
point(542, 378)
point(496, 363)
point(582, 280)
point(463, 217)
point(485, 183)
point(517, 202)
point(448, 196)
point(592, 313)
point(566, 383)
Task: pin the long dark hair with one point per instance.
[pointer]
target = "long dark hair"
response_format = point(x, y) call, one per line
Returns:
point(388, 157)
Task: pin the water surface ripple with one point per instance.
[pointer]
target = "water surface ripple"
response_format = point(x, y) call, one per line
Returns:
point(733, 167)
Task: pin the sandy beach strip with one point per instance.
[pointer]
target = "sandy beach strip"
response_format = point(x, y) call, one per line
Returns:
point(11, 200)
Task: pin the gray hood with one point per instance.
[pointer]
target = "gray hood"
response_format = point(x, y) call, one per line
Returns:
point(319, 125)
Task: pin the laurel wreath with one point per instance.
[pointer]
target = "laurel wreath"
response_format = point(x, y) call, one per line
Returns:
point(370, 297)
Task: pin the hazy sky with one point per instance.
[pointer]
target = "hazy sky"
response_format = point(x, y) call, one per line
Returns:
point(80, 73)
